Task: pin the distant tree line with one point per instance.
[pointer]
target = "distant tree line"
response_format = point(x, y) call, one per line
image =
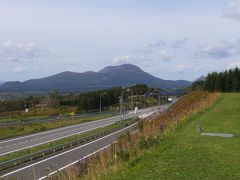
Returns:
point(228, 81)
point(81, 102)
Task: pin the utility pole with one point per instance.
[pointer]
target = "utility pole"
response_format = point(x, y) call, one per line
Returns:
point(158, 96)
point(145, 99)
point(121, 105)
point(164, 97)
point(100, 102)
point(25, 105)
point(131, 98)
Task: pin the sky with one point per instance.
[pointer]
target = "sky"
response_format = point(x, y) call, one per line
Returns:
point(170, 39)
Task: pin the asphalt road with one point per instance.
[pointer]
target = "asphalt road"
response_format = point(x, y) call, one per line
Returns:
point(29, 141)
point(41, 169)
point(47, 166)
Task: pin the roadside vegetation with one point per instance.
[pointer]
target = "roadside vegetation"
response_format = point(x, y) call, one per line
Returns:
point(185, 154)
point(128, 158)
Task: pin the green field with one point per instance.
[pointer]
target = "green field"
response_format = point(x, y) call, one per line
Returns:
point(185, 154)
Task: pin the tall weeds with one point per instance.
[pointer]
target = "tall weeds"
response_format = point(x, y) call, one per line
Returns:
point(130, 147)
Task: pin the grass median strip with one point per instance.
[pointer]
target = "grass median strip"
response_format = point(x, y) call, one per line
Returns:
point(9, 119)
point(19, 154)
point(8, 132)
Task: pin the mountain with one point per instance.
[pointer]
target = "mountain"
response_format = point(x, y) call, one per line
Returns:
point(110, 76)
point(1, 82)
point(202, 78)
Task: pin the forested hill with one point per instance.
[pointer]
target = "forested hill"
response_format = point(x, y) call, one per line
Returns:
point(111, 76)
point(228, 81)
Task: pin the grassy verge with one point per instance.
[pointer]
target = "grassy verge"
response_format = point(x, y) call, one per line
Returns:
point(8, 132)
point(128, 158)
point(2, 120)
point(59, 142)
point(184, 154)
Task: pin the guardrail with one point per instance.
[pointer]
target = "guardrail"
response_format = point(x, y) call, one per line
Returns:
point(11, 123)
point(56, 118)
point(34, 156)
point(175, 103)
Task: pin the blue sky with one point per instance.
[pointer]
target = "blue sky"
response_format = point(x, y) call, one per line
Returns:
point(170, 39)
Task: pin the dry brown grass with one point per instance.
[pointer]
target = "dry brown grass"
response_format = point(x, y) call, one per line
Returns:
point(130, 147)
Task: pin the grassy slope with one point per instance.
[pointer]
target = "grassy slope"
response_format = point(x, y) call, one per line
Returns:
point(184, 154)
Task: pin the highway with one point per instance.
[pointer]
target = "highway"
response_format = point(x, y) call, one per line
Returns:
point(42, 168)
point(30, 141)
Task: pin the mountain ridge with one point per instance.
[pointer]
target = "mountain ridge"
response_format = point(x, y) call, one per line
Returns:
point(108, 77)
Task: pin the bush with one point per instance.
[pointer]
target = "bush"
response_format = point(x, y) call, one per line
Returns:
point(123, 155)
point(142, 143)
point(134, 162)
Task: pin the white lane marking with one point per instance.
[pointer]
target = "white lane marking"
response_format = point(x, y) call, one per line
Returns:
point(34, 145)
point(65, 152)
point(54, 172)
point(75, 162)
point(45, 142)
point(74, 126)
point(60, 129)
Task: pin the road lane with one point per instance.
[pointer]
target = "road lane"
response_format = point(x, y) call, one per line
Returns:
point(50, 165)
point(54, 163)
point(26, 142)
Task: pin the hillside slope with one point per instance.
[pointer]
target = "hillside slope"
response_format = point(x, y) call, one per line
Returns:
point(111, 76)
point(185, 154)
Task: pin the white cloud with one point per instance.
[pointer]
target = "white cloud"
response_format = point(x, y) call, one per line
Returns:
point(222, 49)
point(122, 59)
point(144, 58)
point(187, 69)
point(158, 43)
point(179, 43)
point(19, 69)
point(166, 56)
point(183, 68)
point(233, 10)
point(12, 51)
point(234, 65)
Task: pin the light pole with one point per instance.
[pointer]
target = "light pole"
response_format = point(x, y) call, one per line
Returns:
point(131, 98)
point(121, 105)
point(158, 97)
point(145, 101)
point(100, 102)
point(161, 93)
point(25, 105)
point(164, 97)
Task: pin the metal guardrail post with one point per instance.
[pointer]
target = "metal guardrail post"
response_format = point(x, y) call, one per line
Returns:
point(22, 160)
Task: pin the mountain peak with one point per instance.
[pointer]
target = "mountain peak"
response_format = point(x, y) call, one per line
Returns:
point(202, 78)
point(123, 67)
point(111, 76)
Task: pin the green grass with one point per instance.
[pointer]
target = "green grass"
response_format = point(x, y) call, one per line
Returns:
point(7, 132)
point(59, 142)
point(3, 120)
point(185, 154)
